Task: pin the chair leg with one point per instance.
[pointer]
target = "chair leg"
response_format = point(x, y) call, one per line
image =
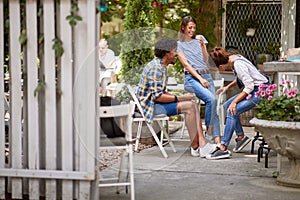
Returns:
point(266, 158)
point(253, 141)
point(157, 141)
point(168, 138)
point(222, 120)
point(138, 136)
point(131, 173)
point(259, 154)
point(120, 170)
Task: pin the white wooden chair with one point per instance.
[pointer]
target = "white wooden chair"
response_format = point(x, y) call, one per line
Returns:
point(158, 118)
point(221, 99)
point(120, 111)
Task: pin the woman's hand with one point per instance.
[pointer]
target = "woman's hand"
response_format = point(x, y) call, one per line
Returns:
point(221, 90)
point(205, 83)
point(232, 109)
point(203, 46)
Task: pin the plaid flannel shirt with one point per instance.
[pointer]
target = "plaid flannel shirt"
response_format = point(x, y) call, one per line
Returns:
point(151, 86)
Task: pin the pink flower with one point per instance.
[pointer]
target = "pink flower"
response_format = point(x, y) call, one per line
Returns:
point(270, 98)
point(262, 93)
point(261, 86)
point(249, 96)
point(256, 94)
point(284, 83)
point(269, 92)
point(290, 94)
point(272, 87)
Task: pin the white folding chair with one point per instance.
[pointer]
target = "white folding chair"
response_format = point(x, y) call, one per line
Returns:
point(160, 119)
point(221, 99)
point(120, 111)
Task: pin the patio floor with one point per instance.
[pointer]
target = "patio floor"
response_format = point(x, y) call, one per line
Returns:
point(184, 177)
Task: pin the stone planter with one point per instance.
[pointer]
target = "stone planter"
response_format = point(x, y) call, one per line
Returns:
point(284, 138)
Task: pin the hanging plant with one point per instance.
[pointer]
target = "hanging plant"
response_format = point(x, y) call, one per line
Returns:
point(249, 23)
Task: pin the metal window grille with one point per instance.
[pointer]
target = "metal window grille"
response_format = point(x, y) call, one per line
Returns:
point(269, 16)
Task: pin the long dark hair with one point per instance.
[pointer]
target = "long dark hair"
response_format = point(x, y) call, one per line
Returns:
point(184, 23)
point(219, 55)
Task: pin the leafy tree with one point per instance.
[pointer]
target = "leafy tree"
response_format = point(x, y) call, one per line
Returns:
point(165, 16)
point(169, 15)
point(136, 45)
point(116, 8)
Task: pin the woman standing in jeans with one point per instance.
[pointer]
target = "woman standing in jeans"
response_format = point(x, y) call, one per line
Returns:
point(193, 56)
point(249, 78)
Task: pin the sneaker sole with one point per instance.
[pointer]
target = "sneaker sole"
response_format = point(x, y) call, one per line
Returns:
point(241, 147)
point(219, 157)
point(211, 150)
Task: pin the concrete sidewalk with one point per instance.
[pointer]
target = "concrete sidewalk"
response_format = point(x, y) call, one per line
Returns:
point(182, 177)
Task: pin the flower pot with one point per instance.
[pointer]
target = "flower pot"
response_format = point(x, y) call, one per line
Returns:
point(284, 138)
point(250, 32)
point(263, 57)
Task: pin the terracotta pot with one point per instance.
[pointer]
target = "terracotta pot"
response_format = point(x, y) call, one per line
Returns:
point(284, 138)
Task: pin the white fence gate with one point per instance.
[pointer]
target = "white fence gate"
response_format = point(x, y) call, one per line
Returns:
point(52, 134)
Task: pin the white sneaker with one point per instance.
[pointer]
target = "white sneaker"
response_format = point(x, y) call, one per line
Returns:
point(207, 149)
point(195, 153)
point(208, 137)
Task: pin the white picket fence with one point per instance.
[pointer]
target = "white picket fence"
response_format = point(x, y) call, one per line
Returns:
point(53, 136)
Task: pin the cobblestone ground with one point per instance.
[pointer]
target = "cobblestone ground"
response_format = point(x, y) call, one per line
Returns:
point(109, 157)
point(112, 156)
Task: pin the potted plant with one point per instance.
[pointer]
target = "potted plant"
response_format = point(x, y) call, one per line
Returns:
point(261, 57)
point(248, 26)
point(278, 120)
point(273, 48)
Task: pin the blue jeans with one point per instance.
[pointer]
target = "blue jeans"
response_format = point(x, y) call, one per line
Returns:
point(208, 95)
point(233, 122)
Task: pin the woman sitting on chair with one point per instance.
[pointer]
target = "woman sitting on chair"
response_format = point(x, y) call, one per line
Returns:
point(249, 78)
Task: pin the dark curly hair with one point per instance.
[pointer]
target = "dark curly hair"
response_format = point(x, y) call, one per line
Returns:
point(164, 46)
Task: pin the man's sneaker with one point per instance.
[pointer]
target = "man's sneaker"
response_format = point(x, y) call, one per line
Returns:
point(195, 152)
point(240, 144)
point(207, 149)
point(218, 154)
